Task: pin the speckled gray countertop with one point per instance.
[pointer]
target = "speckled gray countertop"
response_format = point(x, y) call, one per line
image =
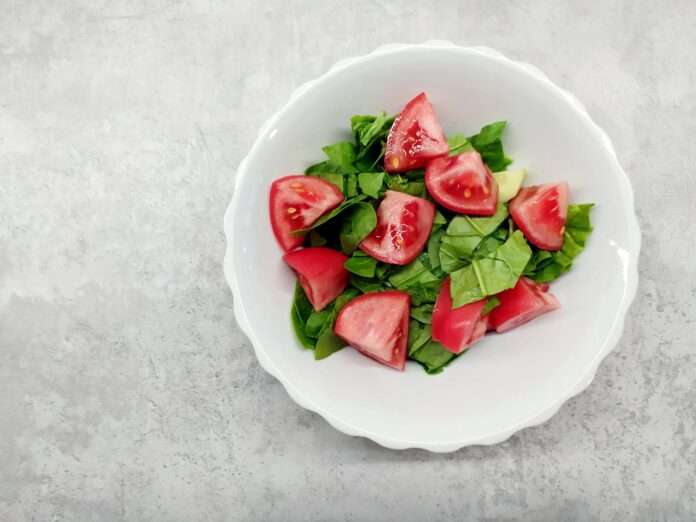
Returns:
point(127, 391)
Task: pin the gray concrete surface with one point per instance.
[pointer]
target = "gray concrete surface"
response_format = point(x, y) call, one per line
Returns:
point(127, 391)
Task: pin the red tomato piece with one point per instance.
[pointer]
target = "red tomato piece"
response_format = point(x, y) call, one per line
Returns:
point(457, 329)
point(462, 183)
point(540, 213)
point(522, 303)
point(403, 226)
point(415, 137)
point(376, 324)
point(296, 202)
point(321, 273)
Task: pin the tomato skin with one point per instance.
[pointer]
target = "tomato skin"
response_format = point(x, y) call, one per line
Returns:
point(520, 304)
point(415, 137)
point(540, 212)
point(376, 324)
point(321, 273)
point(457, 329)
point(463, 184)
point(404, 223)
point(296, 202)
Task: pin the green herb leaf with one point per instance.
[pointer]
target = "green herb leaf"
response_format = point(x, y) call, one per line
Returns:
point(418, 335)
point(401, 184)
point(458, 143)
point(371, 183)
point(327, 341)
point(423, 313)
point(366, 286)
point(491, 303)
point(299, 313)
point(315, 322)
point(356, 226)
point(370, 131)
point(361, 264)
point(341, 155)
point(493, 274)
point(432, 356)
point(413, 274)
point(488, 143)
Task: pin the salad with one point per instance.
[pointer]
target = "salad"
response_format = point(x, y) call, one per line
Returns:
point(409, 245)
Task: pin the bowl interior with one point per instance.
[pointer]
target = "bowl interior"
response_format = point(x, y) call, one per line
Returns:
point(505, 380)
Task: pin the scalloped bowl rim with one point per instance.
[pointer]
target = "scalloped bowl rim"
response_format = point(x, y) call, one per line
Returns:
point(612, 337)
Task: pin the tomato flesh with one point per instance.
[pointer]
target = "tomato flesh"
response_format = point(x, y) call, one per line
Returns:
point(403, 226)
point(376, 324)
point(296, 202)
point(415, 137)
point(522, 303)
point(457, 329)
point(540, 213)
point(321, 273)
point(463, 184)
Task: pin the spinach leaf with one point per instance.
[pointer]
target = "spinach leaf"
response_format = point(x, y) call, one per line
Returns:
point(545, 266)
point(361, 264)
point(299, 314)
point(371, 183)
point(492, 274)
point(458, 144)
point(434, 248)
point(464, 235)
point(332, 177)
point(330, 215)
point(491, 303)
point(366, 286)
point(356, 226)
point(315, 322)
point(432, 356)
point(401, 184)
point(439, 220)
point(413, 274)
point(423, 313)
point(488, 143)
point(341, 155)
point(370, 131)
point(418, 335)
point(327, 341)
point(324, 167)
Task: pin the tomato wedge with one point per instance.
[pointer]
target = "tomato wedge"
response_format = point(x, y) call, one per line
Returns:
point(296, 202)
point(462, 183)
point(521, 304)
point(457, 329)
point(376, 324)
point(320, 272)
point(540, 213)
point(415, 137)
point(403, 226)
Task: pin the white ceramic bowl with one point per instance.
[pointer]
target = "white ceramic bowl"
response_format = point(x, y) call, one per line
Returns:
point(507, 382)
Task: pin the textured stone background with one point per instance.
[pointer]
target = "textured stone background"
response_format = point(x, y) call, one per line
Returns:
point(127, 391)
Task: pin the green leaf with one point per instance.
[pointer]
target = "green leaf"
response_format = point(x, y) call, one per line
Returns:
point(439, 220)
point(464, 235)
point(332, 177)
point(493, 274)
point(371, 183)
point(545, 266)
point(361, 264)
point(418, 335)
point(356, 226)
point(370, 130)
point(324, 167)
point(491, 303)
point(413, 274)
point(300, 311)
point(488, 143)
point(327, 341)
point(432, 356)
point(423, 313)
point(327, 344)
point(341, 155)
point(434, 248)
point(331, 215)
point(458, 143)
point(366, 286)
point(401, 184)
point(315, 322)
